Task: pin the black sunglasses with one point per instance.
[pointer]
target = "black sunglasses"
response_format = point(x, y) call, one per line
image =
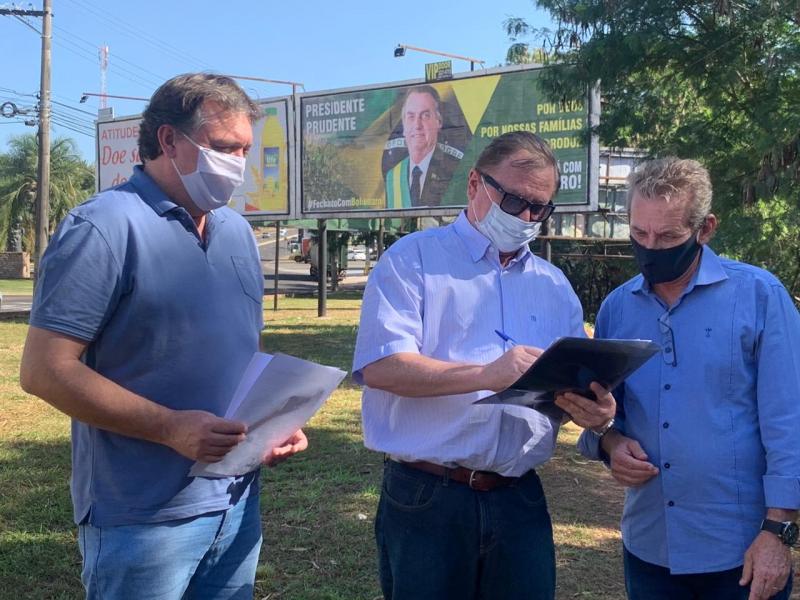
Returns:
point(515, 205)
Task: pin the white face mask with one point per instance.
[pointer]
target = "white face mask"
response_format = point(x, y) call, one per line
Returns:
point(211, 185)
point(506, 232)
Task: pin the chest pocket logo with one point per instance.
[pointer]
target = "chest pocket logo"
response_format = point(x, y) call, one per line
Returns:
point(252, 284)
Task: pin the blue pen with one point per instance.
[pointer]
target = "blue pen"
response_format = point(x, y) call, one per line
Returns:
point(506, 338)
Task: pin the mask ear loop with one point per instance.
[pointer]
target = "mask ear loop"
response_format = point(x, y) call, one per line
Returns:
point(485, 189)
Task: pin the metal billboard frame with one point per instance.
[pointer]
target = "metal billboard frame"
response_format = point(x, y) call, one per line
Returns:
point(593, 151)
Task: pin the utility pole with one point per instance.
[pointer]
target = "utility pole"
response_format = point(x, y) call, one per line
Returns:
point(43, 174)
point(43, 187)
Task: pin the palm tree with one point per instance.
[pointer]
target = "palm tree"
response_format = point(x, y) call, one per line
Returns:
point(71, 181)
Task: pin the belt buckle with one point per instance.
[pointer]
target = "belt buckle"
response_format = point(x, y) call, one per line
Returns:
point(473, 480)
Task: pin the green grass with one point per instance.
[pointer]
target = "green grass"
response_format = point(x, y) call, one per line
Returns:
point(22, 287)
point(317, 508)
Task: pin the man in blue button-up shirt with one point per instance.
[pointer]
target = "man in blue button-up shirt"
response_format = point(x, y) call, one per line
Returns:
point(706, 436)
point(462, 513)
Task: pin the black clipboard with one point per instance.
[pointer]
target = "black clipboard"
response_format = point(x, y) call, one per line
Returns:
point(571, 364)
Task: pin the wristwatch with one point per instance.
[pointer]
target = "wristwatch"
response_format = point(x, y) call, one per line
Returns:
point(602, 430)
point(787, 531)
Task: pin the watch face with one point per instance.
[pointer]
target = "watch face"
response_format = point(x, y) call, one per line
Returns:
point(790, 534)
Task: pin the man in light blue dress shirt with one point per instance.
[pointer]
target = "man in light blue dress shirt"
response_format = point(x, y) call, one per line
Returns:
point(706, 435)
point(462, 513)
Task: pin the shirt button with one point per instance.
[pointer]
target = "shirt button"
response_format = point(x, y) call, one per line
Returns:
point(667, 386)
point(666, 465)
point(665, 425)
point(668, 350)
point(670, 503)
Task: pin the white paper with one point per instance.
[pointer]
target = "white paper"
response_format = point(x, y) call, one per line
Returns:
point(276, 396)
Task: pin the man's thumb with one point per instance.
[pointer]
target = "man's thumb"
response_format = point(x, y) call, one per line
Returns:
point(636, 450)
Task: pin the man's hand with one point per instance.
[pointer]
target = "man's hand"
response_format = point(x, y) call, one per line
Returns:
point(767, 564)
point(588, 413)
point(629, 464)
point(504, 371)
point(200, 435)
point(297, 443)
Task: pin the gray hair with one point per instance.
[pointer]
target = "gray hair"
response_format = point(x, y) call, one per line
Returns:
point(178, 103)
point(669, 177)
point(423, 89)
point(508, 144)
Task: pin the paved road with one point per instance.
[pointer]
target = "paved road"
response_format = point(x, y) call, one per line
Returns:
point(15, 303)
point(293, 277)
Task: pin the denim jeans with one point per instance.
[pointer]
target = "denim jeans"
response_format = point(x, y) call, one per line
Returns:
point(646, 581)
point(438, 539)
point(210, 556)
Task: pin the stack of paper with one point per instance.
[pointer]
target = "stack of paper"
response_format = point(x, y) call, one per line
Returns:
point(276, 396)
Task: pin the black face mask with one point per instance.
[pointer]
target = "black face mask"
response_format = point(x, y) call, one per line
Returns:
point(667, 264)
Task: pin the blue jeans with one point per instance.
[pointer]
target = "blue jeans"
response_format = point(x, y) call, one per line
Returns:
point(646, 581)
point(438, 539)
point(210, 556)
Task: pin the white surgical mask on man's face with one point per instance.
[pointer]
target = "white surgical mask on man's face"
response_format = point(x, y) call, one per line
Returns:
point(217, 174)
point(506, 232)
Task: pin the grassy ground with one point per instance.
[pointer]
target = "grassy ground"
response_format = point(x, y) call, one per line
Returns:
point(22, 287)
point(318, 507)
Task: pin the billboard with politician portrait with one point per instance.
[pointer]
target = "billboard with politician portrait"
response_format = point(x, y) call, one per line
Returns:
point(410, 147)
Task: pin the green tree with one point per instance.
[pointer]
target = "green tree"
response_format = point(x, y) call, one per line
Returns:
point(713, 80)
point(71, 181)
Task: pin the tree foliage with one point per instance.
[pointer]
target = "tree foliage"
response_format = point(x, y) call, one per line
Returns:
point(714, 80)
point(71, 182)
point(717, 80)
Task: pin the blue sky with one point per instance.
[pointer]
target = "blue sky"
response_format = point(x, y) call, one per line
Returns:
point(320, 43)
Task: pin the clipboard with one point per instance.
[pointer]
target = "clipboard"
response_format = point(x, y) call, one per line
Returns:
point(571, 364)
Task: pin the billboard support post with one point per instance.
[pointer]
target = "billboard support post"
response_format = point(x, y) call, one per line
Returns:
point(322, 269)
point(277, 257)
point(380, 238)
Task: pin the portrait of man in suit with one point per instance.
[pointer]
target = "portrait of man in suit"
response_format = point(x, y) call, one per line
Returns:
point(421, 177)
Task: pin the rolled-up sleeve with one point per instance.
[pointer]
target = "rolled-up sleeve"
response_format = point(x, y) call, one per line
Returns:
point(778, 401)
point(391, 311)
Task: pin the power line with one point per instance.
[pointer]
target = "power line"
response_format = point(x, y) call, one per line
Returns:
point(80, 52)
point(74, 120)
point(157, 78)
point(140, 35)
point(76, 109)
point(90, 135)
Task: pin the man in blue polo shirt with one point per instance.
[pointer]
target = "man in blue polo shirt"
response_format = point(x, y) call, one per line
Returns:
point(146, 313)
point(706, 435)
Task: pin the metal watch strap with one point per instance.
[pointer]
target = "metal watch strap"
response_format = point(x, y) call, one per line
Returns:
point(601, 431)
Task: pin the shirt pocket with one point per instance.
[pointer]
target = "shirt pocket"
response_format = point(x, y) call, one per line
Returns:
point(252, 282)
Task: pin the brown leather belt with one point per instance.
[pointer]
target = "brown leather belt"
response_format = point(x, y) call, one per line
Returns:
point(482, 481)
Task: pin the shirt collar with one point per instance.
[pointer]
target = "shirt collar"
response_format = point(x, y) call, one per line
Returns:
point(710, 271)
point(150, 192)
point(478, 244)
point(423, 164)
point(155, 197)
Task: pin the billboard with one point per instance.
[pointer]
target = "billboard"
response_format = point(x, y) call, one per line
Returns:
point(117, 150)
point(267, 180)
point(408, 149)
point(267, 186)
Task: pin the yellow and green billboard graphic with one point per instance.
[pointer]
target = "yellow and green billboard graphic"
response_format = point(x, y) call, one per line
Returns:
point(410, 147)
point(266, 186)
